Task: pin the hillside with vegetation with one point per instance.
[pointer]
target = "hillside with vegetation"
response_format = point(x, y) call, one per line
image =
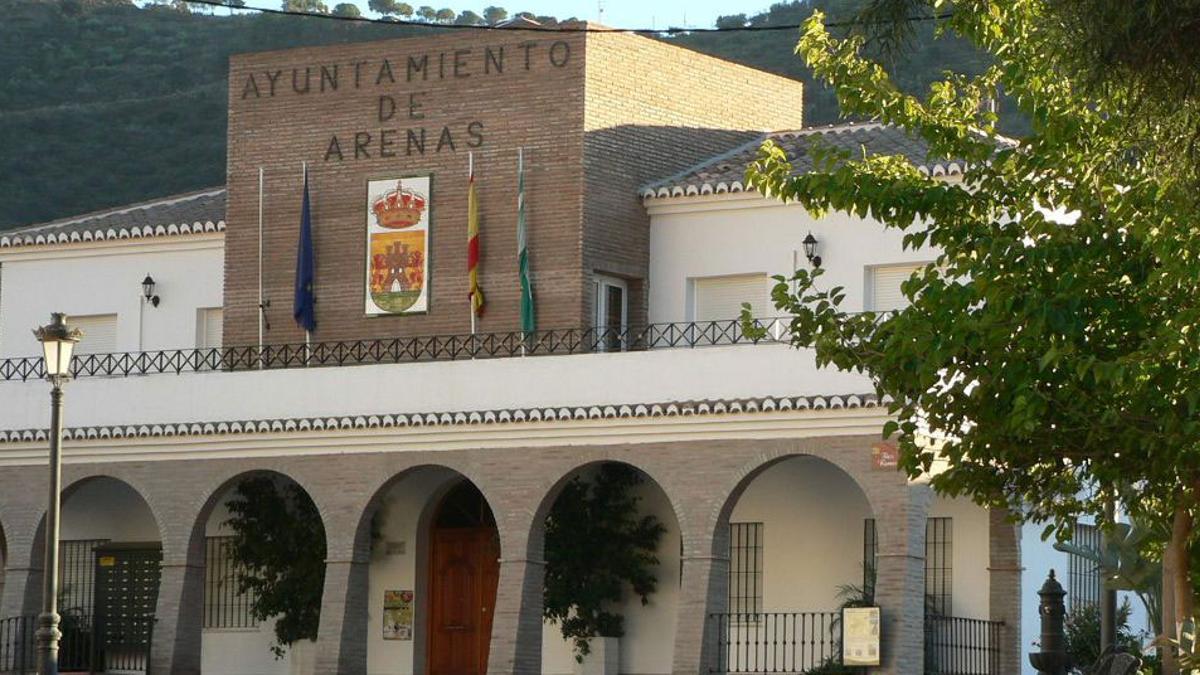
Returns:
point(105, 103)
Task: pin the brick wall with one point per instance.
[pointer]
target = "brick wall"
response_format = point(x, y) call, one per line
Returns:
point(598, 115)
point(653, 110)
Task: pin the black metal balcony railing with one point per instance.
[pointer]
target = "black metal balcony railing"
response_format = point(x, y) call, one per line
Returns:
point(958, 646)
point(776, 642)
point(404, 350)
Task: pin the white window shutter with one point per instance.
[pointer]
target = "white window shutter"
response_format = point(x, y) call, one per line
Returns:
point(885, 286)
point(209, 325)
point(99, 333)
point(721, 298)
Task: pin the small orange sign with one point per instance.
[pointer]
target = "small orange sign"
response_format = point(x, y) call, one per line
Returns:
point(108, 561)
point(885, 456)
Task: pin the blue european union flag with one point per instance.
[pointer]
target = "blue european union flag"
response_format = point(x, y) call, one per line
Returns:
point(304, 308)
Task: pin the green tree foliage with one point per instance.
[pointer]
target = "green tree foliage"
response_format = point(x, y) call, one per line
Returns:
point(427, 13)
point(347, 9)
point(1051, 364)
point(311, 6)
point(279, 542)
point(387, 7)
point(494, 15)
point(445, 15)
point(468, 18)
point(598, 547)
point(1083, 636)
point(732, 21)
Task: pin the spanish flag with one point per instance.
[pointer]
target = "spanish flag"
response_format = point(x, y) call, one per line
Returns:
point(474, 292)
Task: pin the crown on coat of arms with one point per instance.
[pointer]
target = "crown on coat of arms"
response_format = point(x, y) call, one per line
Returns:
point(398, 208)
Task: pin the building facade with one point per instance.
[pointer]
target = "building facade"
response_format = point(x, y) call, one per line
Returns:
point(400, 409)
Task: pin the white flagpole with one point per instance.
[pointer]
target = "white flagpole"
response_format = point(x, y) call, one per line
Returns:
point(471, 294)
point(520, 199)
point(261, 309)
point(312, 235)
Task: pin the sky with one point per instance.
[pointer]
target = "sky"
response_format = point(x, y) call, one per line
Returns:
point(616, 13)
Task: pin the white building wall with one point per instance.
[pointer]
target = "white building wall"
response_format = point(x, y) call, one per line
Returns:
point(745, 234)
point(241, 651)
point(106, 278)
point(970, 556)
point(105, 508)
point(813, 516)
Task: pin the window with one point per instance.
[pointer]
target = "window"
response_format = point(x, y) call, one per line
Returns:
point(939, 565)
point(99, 333)
point(883, 286)
point(1083, 577)
point(612, 313)
point(721, 298)
point(209, 323)
point(224, 606)
point(939, 561)
point(745, 568)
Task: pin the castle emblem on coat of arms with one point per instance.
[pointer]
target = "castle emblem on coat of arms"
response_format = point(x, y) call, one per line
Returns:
point(399, 208)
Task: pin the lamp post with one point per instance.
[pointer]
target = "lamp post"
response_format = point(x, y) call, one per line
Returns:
point(58, 341)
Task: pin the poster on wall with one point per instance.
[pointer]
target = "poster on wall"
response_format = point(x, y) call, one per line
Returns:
point(397, 615)
point(398, 246)
point(860, 636)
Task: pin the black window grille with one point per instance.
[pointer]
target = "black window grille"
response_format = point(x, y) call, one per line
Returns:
point(224, 605)
point(939, 561)
point(745, 568)
point(939, 565)
point(1083, 577)
point(77, 574)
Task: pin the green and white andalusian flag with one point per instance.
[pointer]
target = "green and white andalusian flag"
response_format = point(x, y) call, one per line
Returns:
point(528, 321)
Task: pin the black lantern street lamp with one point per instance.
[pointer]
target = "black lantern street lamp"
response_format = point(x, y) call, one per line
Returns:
point(58, 342)
point(810, 250)
point(148, 290)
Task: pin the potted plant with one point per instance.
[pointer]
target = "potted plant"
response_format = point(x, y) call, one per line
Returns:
point(598, 547)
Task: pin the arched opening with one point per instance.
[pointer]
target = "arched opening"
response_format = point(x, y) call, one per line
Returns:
point(277, 515)
point(464, 568)
point(434, 568)
point(109, 568)
point(611, 541)
point(801, 542)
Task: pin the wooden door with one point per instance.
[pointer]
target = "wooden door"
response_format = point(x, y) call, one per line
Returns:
point(464, 569)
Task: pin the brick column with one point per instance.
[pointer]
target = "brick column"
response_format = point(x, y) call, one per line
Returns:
point(704, 590)
point(900, 579)
point(175, 645)
point(342, 636)
point(516, 646)
point(1004, 586)
point(22, 579)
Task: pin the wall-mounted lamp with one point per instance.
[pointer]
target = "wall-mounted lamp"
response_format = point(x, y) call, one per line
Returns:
point(148, 290)
point(810, 250)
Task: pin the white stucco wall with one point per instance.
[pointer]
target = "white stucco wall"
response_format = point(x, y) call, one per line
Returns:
point(239, 651)
point(812, 515)
point(742, 234)
point(105, 508)
point(969, 557)
point(106, 278)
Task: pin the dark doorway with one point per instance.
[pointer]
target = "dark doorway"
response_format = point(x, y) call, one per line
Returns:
point(464, 569)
